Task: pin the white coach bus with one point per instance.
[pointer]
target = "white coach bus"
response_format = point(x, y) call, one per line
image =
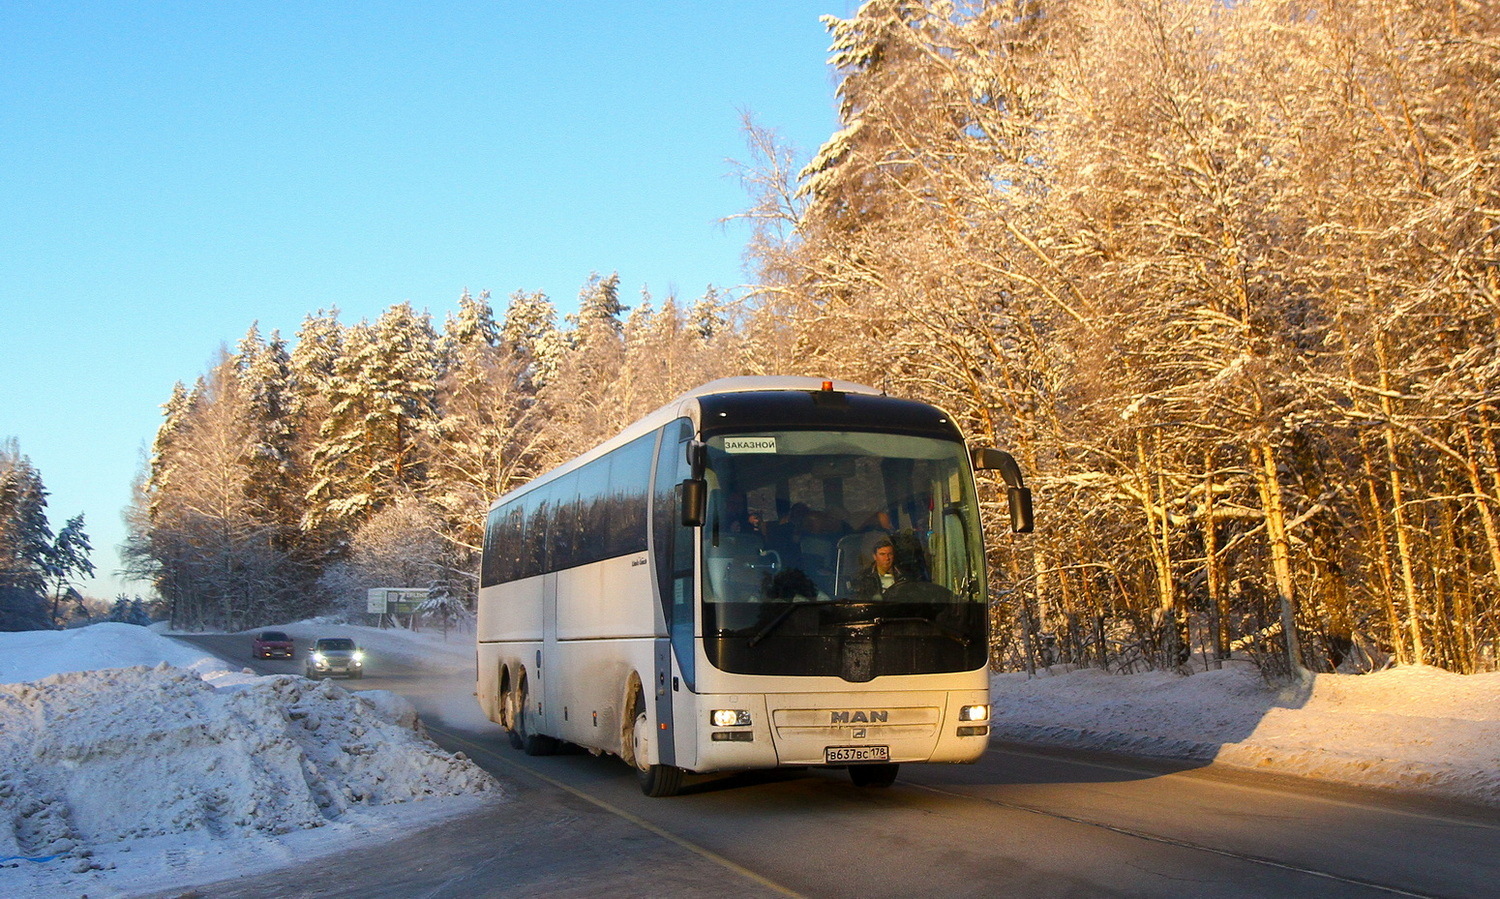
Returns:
point(765, 572)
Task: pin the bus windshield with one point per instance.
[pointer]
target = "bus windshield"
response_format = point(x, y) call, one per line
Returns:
point(841, 552)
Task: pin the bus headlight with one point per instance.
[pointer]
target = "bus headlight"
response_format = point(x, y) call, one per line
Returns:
point(729, 718)
point(974, 713)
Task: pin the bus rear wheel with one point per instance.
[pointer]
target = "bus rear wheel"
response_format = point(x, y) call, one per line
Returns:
point(873, 775)
point(513, 718)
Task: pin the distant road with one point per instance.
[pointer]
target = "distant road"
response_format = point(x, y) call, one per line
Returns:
point(1019, 823)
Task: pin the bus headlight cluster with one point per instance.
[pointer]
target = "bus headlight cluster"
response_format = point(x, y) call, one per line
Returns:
point(729, 718)
point(974, 713)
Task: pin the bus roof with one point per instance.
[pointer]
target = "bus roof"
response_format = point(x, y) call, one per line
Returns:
point(729, 394)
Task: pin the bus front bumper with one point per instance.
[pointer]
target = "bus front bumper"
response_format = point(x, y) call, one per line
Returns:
point(838, 729)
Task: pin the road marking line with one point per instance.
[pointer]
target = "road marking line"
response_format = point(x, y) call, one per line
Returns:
point(638, 821)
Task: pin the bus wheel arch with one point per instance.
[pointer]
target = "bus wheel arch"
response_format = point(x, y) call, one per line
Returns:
point(655, 780)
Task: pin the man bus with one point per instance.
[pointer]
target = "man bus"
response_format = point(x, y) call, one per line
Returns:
point(687, 595)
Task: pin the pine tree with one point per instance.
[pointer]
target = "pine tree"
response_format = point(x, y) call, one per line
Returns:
point(530, 335)
point(475, 324)
point(486, 438)
point(68, 558)
point(382, 400)
point(25, 535)
point(707, 315)
point(599, 304)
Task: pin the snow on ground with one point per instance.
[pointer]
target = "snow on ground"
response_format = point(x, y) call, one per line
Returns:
point(1410, 729)
point(127, 758)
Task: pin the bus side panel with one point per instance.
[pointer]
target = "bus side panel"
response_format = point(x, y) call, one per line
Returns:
point(510, 612)
point(592, 679)
point(606, 624)
point(608, 600)
point(508, 631)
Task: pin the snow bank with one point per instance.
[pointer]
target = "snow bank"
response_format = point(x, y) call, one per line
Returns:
point(114, 777)
point(1410, 728)
point(33, 655)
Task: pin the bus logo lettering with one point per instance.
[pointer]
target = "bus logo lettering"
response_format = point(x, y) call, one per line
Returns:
point(872, 717)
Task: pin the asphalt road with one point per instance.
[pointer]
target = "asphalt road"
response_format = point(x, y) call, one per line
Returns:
point(1019, 823)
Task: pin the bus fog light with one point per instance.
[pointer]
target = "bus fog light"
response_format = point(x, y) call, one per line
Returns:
point(974, 713)
point(729, 718)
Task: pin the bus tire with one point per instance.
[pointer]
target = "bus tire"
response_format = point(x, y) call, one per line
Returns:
point(513, 719)
point(873, 775)
point(507, 711)
point(657, 781)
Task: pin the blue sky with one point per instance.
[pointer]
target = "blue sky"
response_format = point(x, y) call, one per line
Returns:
point(172, 172)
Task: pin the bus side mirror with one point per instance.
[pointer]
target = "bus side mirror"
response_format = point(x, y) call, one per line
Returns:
point(697, 457)
point(1020, 509)
point(1018, 494)
point(694, 499)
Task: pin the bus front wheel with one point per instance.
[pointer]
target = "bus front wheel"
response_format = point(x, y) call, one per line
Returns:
point(657, 781)
point(873, 775)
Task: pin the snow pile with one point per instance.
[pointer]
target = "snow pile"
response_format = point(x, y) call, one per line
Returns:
point(114, 776)
point(1409, 728)
point(33, 655)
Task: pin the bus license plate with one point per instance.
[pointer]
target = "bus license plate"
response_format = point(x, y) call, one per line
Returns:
point(843, 755)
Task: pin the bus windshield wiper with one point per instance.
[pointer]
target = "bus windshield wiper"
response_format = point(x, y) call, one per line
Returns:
point(774, 623)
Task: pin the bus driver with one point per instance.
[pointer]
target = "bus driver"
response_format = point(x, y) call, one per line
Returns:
point(880, 575)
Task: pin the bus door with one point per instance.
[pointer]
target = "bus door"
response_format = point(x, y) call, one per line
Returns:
point(548, 661)
point(675, 553)
point(560, 512)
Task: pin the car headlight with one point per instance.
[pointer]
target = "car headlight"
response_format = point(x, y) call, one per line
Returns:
point(729, 718)
point(317, 658)
point(359, 656)
point(974, 713)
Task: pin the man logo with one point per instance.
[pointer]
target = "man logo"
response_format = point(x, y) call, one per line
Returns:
point(873, 717)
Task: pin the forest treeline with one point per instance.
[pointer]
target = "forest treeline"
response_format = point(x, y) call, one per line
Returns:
point(1225, 277)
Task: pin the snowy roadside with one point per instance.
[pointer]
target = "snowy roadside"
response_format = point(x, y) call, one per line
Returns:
point(1409, 729)
point(131, 763)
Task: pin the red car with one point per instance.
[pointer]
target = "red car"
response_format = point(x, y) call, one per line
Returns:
point(270, 644)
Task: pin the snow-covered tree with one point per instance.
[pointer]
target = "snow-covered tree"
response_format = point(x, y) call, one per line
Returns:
point(382, 402)
point(530, 335)
point(25, 535)
point(1225, 294)
point(599, 303)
